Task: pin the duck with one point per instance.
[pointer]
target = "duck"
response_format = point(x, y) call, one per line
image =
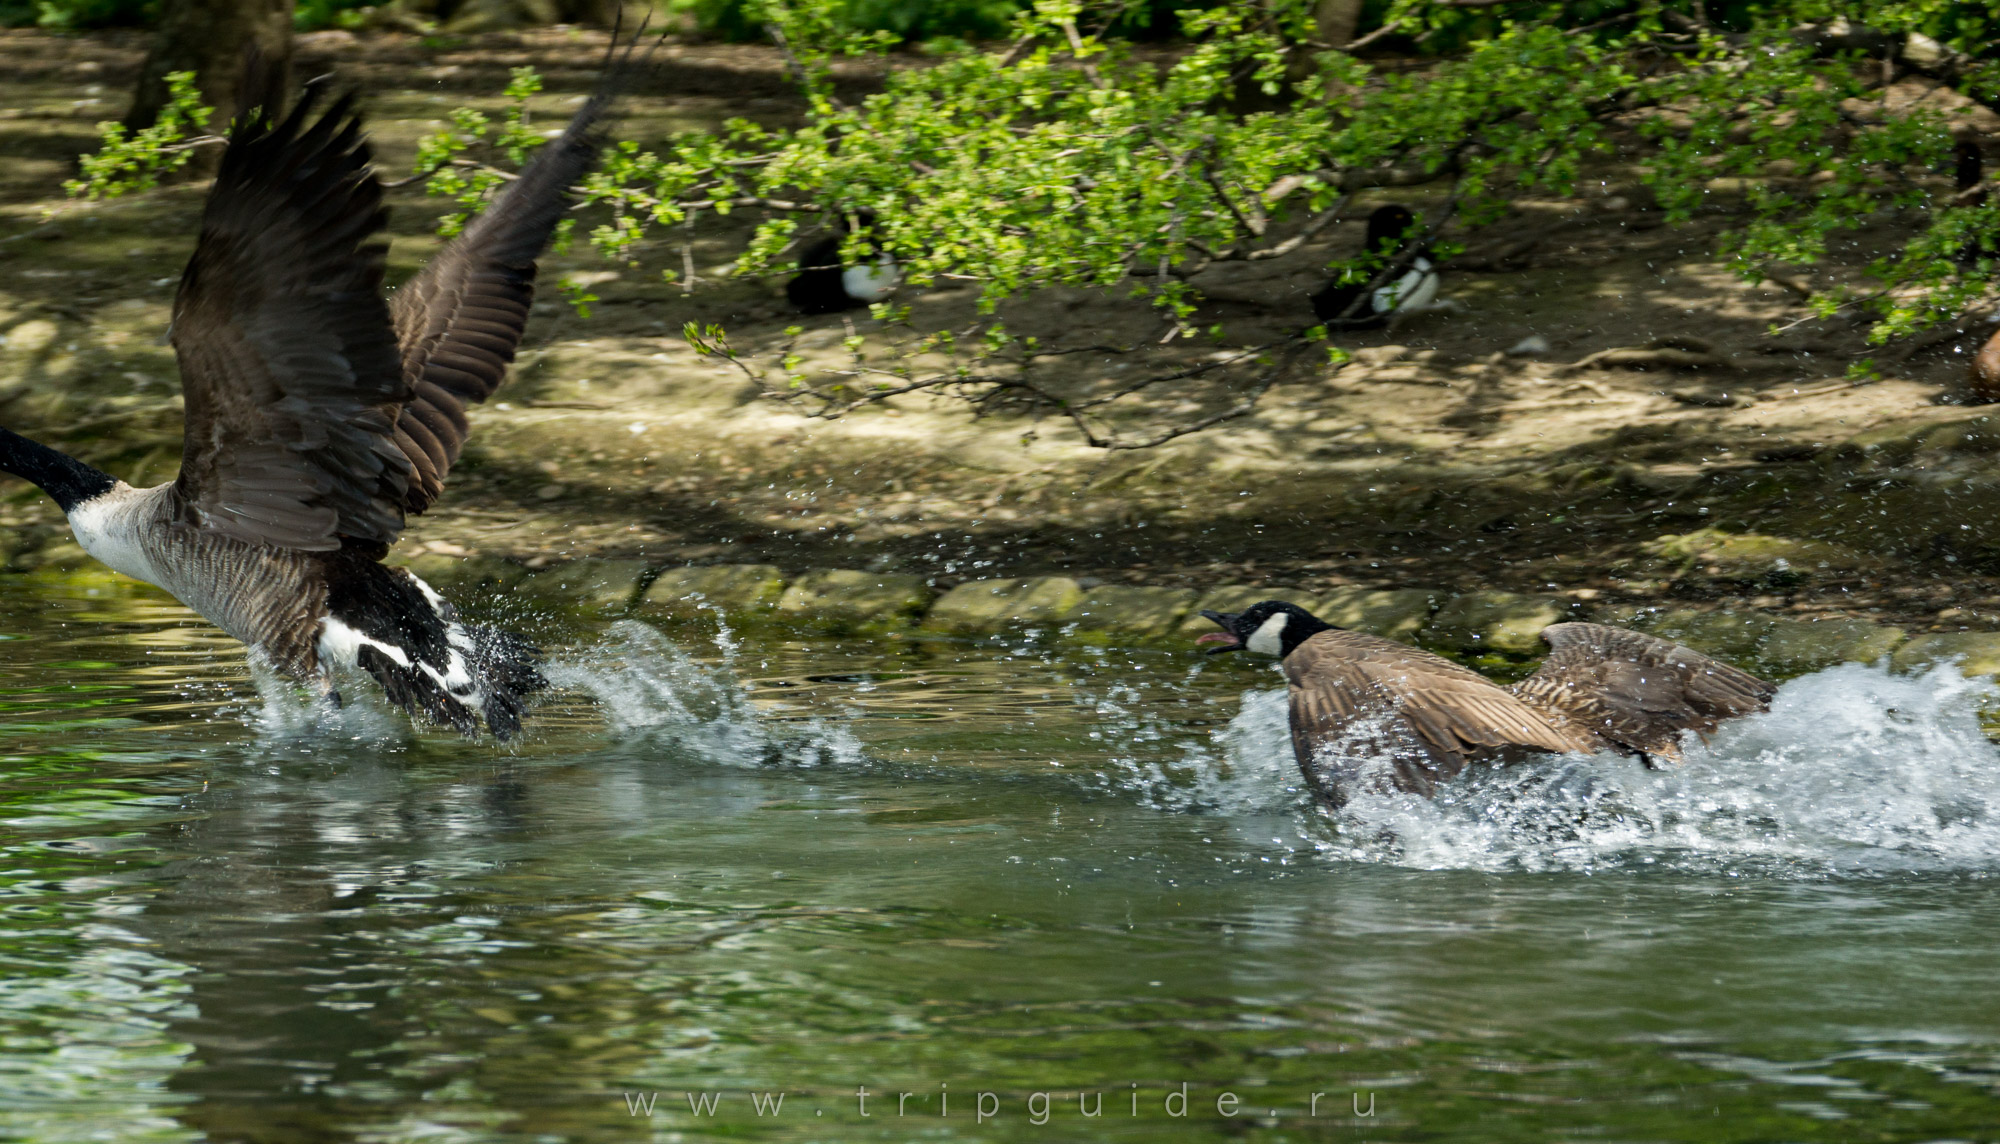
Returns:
point(321, 414)
point(824, 286)
point(1356, 697)
point(1389, 235)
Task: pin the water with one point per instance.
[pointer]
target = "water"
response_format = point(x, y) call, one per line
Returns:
point(995, 880)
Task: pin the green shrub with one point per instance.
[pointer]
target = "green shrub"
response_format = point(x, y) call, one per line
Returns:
point(76, 15)
point(313, 15)
point(918, 20)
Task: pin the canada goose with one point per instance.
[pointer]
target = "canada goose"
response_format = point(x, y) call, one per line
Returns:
point(1388, 236)
point(824, 286)
point(1600, 689)
point(318, 415)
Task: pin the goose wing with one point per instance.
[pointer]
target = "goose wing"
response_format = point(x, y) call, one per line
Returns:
point(1372, 692)
point(1636, 690)
point(288, 361)
point(460, 319)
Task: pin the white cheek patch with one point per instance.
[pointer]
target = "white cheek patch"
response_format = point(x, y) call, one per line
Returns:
point(1268, 639)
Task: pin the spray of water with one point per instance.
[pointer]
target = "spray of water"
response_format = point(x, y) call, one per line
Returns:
point(644, 684)
point(633, 683)
point(1853, 770)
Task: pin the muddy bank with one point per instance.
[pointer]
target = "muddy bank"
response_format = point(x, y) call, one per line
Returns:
point(1747, 478)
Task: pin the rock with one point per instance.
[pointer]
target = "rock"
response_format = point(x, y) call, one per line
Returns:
point(599, 585)
point(732, 589)
point(1396, 614)
point(1979, 436)
point(1381, 355)
point(849, 601)
point(1726, 635)
point(1920, 51)
point(1776, 560)
point(29, 337)
point(1534, 345)
point(981, 606)
point(1495, 621)
point(462, 576)
point(1976, 653)
point(1707, 398)
point(1795, 647)
point(1233, 598)
point(1114, 615)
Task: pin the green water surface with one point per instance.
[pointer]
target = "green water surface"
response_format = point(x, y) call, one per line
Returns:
point(995, 888)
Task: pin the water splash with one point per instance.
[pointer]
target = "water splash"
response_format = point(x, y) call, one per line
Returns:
point(644, 684)
point(632, 684)
point(1853, 770)
point(1247, 769)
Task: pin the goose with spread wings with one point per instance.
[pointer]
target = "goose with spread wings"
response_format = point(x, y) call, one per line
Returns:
point(1356, 698)
point(320, 414)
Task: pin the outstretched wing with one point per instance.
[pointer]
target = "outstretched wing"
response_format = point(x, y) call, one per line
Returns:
point(1366, 693)
point(1636, 690)
point(288, 361)
point(460, 319)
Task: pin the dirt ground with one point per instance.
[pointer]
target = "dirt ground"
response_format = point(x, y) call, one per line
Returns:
point(1435, 458)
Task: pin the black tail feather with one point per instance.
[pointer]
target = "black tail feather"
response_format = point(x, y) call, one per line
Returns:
point(429, 662)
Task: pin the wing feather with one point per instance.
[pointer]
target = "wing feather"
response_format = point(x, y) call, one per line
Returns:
point(459, 321)
point(1357, 697)
point(288, 360)
point(1636, 690)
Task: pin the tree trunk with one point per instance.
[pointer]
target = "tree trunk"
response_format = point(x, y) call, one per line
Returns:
point(1334, 21)
point(209, 38)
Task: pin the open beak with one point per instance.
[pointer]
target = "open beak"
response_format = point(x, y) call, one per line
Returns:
point(1226, 637)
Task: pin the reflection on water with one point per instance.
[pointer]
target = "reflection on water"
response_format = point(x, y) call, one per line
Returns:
point(961, 879)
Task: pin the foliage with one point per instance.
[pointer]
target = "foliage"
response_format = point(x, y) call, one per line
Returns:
point(76, 15)
point(445, 158)
point(135, 161)
point(1065, 160)
point(921, 20)
point(313, 15)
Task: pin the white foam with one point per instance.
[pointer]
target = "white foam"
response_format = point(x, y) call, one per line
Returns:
point(642, 682)
point(1853, 770)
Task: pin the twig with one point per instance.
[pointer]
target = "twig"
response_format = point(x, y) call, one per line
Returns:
point(1018, 50)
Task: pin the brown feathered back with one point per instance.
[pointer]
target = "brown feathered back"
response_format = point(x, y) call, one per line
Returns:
point(1637, 691)
point(1379, 698)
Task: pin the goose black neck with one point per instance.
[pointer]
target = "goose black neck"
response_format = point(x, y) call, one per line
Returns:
point(68, 480)
point(1301, 627)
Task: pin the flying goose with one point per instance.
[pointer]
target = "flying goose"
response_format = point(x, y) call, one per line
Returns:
point(319, 415)
point(824, 286)
point(1356, 696)
point(1415, 289)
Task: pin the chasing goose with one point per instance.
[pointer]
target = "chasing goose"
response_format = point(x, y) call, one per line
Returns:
point(1356, 697)
point(824, 286)
point(318, 415)
point(1414, 290)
